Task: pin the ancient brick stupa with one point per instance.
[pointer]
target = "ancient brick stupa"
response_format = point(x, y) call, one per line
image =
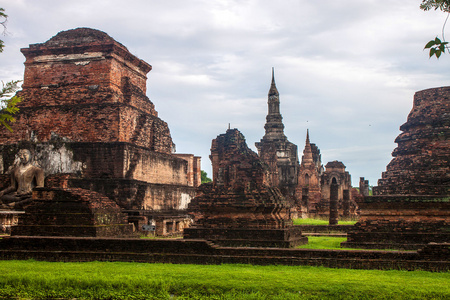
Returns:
point(410, 206)
point(240, 208)
point(84, 112)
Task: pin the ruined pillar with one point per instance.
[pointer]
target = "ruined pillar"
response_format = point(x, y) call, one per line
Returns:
point(363, 186)
point(334, 196)
point(346, 203)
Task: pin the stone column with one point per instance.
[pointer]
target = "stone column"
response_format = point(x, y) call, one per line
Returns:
point(334, 196)
point(346, 203)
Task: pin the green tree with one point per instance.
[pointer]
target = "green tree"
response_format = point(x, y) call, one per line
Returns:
point(437, 46)
point(205, 178)
point(8, 102)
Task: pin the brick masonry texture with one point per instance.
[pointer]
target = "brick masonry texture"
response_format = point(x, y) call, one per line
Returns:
point(240, 207)
point(410, 207)
point(400, 222)
point(72, 212)
point(421, 163)
point(84, 111)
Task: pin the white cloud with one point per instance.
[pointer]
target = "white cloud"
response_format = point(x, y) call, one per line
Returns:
point(345, 69)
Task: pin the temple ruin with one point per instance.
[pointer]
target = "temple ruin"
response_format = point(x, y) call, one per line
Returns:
point(87, 120)
point(410, 207)
point(110, 168)
point(276, 150)
point(305, 184)
point(241, 207)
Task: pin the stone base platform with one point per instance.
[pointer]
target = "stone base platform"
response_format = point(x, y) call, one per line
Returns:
point(393, 240)
point(72, 212)
point(239, 237)
point(405, 222)
point(434, 257)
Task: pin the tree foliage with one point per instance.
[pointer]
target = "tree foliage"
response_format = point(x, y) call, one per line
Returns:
point(443, 5)
point(437, 46)
point(205, 178)
point(8, 102)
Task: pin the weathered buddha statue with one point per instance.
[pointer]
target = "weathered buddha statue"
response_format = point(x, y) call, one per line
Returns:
point(24, 177)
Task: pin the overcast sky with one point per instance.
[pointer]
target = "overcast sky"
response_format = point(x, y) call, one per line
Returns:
point(345, 69)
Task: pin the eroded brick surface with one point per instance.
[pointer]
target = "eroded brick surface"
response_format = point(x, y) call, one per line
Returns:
point(421, 162)
point(239, 206)
point(411, 204)
point(72, 212)
point(84, 111)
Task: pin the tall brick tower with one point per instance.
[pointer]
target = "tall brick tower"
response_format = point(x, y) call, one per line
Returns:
point(309, 176)
point(275, 146)
point(85, 112)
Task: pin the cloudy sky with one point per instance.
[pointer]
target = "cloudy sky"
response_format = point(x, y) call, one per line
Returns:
point(345, 69)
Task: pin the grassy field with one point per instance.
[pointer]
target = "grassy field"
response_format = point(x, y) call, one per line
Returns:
point(120, 280)
point(307, 221)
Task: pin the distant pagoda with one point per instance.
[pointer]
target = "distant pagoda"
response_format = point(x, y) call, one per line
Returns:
point(276, 150)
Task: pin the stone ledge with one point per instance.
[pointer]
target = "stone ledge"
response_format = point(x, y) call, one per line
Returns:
point(203, 252)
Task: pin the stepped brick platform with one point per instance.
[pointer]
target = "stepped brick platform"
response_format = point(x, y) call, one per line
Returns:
point(72, 212)
point(399, 222)
point(241, 237)
point(325, 230)
point(433, 257)
point(240, 207)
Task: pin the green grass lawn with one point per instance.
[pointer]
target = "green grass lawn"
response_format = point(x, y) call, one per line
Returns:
point(308, 221)
point(121, 280)
point(324, 242)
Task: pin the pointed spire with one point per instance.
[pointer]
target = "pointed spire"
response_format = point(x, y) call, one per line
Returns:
point(274, 121)
point(273, 88)
point(307, 158)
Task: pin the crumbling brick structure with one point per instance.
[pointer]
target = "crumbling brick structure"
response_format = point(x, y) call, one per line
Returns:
point(315, 185)
point(240, 207)
point(72, 212)
point(421, 160)
point(85, 112)
point(309, 178)
point(411, 206)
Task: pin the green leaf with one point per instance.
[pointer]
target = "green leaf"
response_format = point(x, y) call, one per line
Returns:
point(437, 40)
point(442, 47)
point(438, 53)
point(430, 44)
point(432, 51)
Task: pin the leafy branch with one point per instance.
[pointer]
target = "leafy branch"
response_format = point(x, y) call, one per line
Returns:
point(8, 102)
point(437, 46)
point(443, 5)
